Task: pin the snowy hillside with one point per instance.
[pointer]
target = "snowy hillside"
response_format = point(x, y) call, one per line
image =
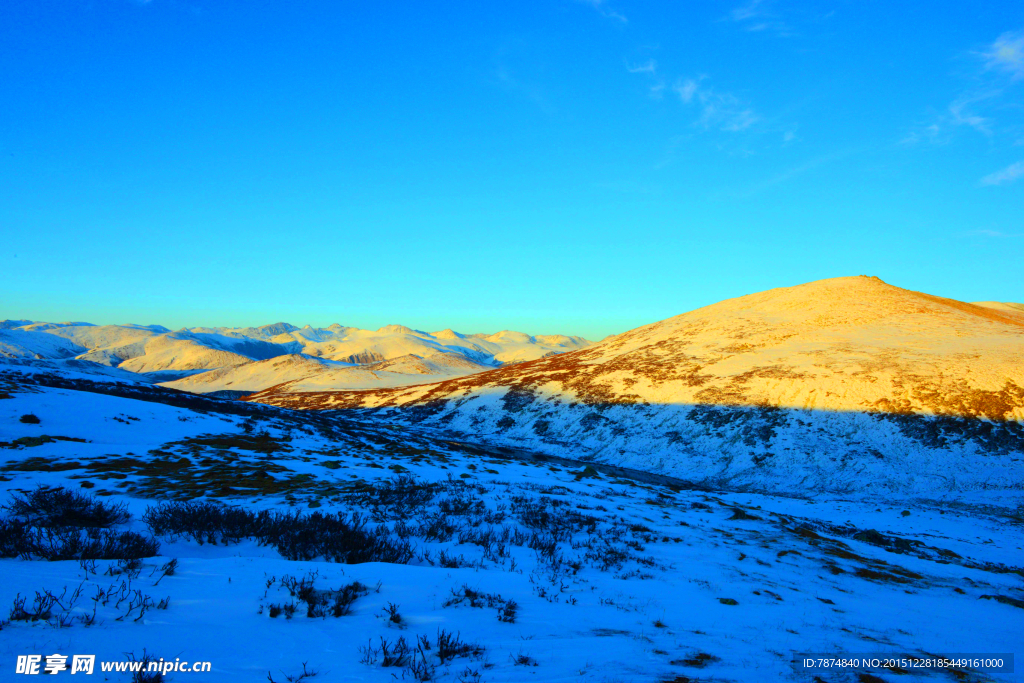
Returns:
point(305, 373)
point(135, 348)
point(216, 359)
point(355, 346)
point(221, 526)
point(848, 384)
point(20, 343)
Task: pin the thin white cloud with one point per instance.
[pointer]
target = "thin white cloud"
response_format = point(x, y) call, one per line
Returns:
point(756, 16)
point(741, 121)
point(605, 11)
point(1005, 176)
point(1006, 54)
point(986, 106)
point(961, 112)
point(648, 67)
point(748, 11)
point(719, 110)
point(687, 89)
point(716, 110)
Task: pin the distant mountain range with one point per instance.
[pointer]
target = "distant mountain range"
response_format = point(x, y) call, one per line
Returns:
point(840, 384)
point(204, 360)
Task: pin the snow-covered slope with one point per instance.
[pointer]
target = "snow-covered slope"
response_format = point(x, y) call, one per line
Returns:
point(16, 343)
point(392, 356)
point(255, 375)
point(410, 356)
point(544, 570)
point(135, 348)
point(73, 366)
point(352, 345)
point(298, 372)
point(842, 384)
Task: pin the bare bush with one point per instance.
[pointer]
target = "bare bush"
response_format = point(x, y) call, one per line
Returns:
point(393, 615)
point(301, 676)
point(14, 538)
point(335, 537)
point(394, 654)
point(397, 497)
point(345, 596)
point(143, 674)
point(66, 543)
point(40, 610)
point(450, 646)
point(320, 603)
point(62, 507)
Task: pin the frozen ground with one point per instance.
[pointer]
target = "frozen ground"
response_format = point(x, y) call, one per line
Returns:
point(546, 572)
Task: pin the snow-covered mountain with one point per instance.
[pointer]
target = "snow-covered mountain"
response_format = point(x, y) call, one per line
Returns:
point(348, 358)
point(306, 373)
point(352, 345)
point(238, 359)
point(135, 348)
point(27, 343)
point(304, 545)
point(842, 384)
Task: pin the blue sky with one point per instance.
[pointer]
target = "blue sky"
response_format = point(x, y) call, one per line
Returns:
point(568, 166)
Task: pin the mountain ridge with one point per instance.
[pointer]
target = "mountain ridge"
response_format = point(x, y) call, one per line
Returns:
point(183, 357)
point(835, 384)
point(656, 354)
